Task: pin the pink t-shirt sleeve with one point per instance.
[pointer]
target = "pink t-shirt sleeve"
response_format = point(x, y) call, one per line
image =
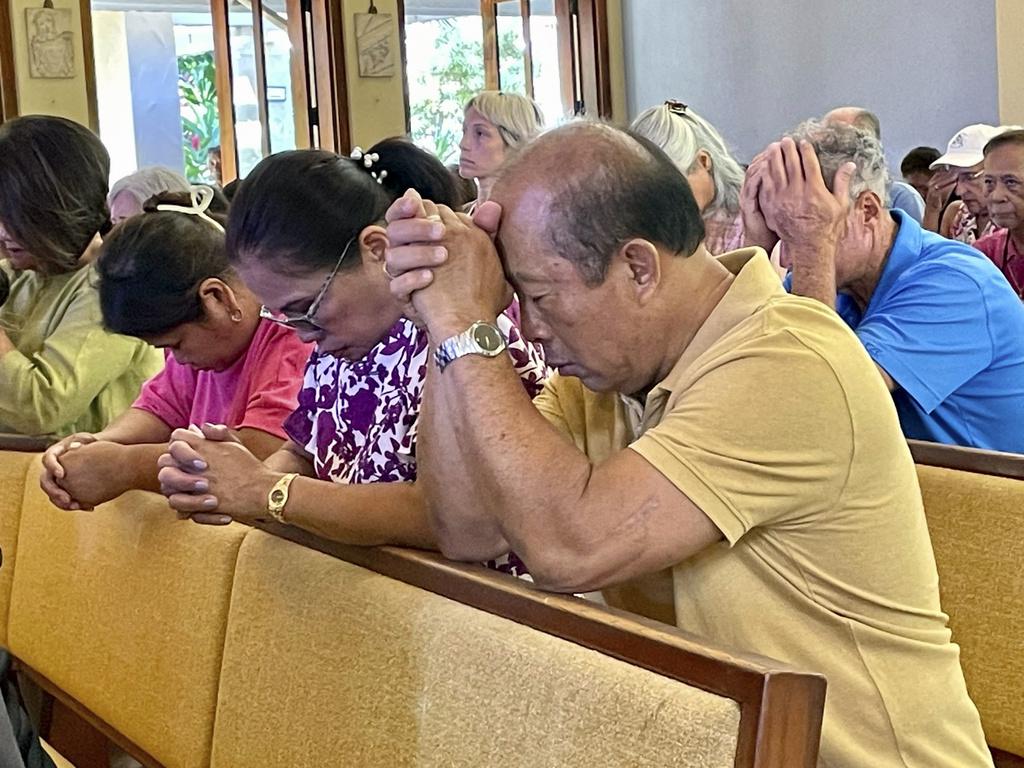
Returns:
point(275, 376)
point(169, 394)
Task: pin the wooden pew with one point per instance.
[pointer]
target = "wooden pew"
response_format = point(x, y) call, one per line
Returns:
point(520, 660)
point(193, 646)
point(974, 502)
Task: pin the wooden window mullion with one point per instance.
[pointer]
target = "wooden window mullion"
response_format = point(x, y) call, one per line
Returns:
point(225, 97)
point(260, 60)
point(524, 6)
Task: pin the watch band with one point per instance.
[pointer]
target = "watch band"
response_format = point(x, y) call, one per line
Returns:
point(278, 497)
point(481, 338)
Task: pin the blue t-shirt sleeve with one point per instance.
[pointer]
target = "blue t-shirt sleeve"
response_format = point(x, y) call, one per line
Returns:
point(931, 333)
point(907, 199)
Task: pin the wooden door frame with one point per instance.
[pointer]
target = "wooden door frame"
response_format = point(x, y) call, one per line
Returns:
point(8, 75)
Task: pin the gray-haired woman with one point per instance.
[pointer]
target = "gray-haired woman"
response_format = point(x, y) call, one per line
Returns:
point(701, 154)
point(130, 193)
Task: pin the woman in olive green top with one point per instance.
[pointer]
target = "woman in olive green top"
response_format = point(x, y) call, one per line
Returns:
point(60, 370)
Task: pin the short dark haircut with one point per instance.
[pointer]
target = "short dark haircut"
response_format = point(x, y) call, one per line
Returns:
point(5, 286)
point(868, 121)
point(151, 266)
point(919, 160)
point(54, 175)
point(214, 150)
point(304, 206)
point(627, 194)
point(1003, 139)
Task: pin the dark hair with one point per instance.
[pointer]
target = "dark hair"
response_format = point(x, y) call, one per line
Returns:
point(5, 286)
point(465, 189)
point(1007, 137)
point(151, 266)
point(231, 189)
point(919, 160)
point(625, 194)
point(53, 188)
point(409, 167)
point(214, 150)
point(304, 206)
point(868, 121)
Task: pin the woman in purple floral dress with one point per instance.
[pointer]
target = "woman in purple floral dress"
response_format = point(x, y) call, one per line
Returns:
point(305, 234)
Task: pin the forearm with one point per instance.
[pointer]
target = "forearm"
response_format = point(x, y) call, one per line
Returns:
point(494, 471)
point(363, 515)
point(453, 493)
point(290, 458)
point(931, 218)
point(814, 271)
point(139, 468)
point(136, 426)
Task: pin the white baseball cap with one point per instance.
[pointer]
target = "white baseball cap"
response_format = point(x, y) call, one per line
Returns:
point(967, 148)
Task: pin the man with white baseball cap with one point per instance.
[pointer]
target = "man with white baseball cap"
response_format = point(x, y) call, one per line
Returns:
point(959, 171)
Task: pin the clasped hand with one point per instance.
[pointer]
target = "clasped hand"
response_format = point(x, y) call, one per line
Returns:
point(208, 475)
point(445, 268)
point(785, 197)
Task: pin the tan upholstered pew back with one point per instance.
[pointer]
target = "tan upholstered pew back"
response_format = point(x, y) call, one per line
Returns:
point(974, 502)
point(124, 610)
point(195, 646)
point(14, 467)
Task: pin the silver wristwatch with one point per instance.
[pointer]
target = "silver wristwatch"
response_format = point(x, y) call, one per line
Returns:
point(481, 339)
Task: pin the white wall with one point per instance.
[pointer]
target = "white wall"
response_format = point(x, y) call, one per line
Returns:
point(757, 67)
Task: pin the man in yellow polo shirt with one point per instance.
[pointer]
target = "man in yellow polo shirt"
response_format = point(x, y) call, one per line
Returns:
point(701, 419)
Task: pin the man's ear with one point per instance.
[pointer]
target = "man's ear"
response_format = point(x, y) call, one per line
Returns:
point(643, 261)
point(870, 206)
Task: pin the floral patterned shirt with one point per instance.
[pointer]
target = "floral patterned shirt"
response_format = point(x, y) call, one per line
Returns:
point(357, 419)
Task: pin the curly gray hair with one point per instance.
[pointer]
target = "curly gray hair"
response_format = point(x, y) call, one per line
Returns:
point(836, 144)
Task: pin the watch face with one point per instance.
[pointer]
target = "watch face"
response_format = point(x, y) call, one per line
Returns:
point(488, 337)
point(277, 496)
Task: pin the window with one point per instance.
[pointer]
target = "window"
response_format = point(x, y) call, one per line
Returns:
point(555, 51)
point(164, 60)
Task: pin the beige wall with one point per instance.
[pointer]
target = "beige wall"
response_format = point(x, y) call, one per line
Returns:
point(66, 98)
point(1009, 28)
point(376, 104)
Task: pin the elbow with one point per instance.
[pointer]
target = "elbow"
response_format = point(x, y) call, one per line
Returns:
point(564, 569)
point(462, 548)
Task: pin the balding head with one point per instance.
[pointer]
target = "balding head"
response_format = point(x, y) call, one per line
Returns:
point(601, 187)
point(858, 118)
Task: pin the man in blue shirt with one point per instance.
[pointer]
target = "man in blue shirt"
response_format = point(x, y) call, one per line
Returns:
point(937, 317)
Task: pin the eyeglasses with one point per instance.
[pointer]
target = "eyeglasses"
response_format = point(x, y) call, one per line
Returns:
point(965, 176)
point(305, 321)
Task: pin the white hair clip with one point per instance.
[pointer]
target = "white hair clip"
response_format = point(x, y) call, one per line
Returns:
point(202, 196)
point(368, 158)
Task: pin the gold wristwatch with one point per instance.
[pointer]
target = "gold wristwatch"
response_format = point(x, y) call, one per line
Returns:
point(278, 496)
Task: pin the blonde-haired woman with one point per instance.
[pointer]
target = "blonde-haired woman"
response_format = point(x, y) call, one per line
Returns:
point(700, 152)
point(494, 123)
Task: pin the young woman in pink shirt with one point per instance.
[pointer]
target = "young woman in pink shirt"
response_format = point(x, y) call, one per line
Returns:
point(165, 278)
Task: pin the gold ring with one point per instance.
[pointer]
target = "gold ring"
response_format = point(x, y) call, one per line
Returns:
point(384, 266)
point(434, 217)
